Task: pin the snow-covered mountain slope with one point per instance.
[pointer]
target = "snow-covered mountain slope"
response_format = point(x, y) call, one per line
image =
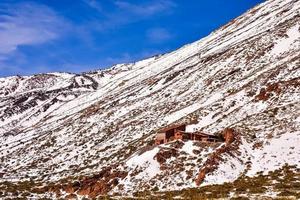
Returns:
point(92, 134)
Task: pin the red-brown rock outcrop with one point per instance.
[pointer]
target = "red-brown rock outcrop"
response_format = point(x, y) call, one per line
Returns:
point(232, 142)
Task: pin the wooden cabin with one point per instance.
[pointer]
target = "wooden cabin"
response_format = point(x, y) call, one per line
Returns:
point(198, 136)
point(178, 133)
point(168, 134)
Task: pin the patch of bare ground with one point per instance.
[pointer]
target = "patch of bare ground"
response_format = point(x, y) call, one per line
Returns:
point(283, 183)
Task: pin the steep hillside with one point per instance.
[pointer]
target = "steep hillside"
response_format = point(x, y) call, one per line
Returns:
point(92, 134)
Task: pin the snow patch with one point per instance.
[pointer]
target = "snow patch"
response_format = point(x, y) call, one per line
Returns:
point(285, 44)
point(147, 162)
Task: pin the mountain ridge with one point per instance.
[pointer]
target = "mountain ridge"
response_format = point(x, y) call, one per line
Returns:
point(92, 134)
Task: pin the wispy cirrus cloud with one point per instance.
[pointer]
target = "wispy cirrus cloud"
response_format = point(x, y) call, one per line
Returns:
point(120, 14)
point(27, 24)
point(33, 35)
point(158, 35)
point(123, 12)
point(94, 4)
point(146, 9)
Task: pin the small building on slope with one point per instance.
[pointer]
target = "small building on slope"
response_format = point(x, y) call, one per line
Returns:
point(178, 132)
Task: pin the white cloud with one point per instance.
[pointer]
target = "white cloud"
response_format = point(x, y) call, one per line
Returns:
point(27, 24)
point(158, 35)
point(94, 4)
point(124, 13)
point(149, 9)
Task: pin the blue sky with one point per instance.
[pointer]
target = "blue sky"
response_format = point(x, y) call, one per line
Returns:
point(81, 35)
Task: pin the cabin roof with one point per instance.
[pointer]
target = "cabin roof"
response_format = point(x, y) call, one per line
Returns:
point(204, 134)
point(170, 127)
point(163, 131)
point(174, 126)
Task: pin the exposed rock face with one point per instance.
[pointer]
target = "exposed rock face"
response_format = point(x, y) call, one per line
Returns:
point(228, 135)
point(71, 196)
point(91, 187)
point(232, 142)
point(163, 155)
point(98, 185)
point(57, 127)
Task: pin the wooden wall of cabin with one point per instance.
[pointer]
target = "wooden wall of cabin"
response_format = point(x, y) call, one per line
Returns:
point(181, 128)
point(170, 133)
